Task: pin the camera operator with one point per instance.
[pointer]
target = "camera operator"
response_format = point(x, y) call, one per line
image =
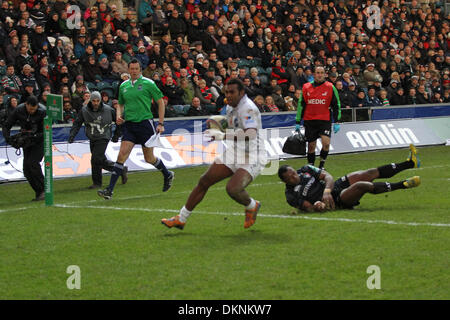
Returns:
point(30, 117)
point(98, 118)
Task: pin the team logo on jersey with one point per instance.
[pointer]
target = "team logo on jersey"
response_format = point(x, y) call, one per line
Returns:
point(249, 120)
point(139, 87)
point(324, 94)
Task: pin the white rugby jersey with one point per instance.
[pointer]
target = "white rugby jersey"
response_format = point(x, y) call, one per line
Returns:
point(246, 116)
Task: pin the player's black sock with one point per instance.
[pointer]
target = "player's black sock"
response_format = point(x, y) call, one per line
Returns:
point(392, 169)
point(118, 170)
point(382, 187)
point(398, 185)
point(161, 167)
point(323, 157)
point(311, 158)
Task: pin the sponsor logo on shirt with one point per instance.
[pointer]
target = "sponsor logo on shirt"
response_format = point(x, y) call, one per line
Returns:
point(316, 101)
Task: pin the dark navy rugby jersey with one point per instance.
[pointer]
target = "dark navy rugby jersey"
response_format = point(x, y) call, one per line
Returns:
point(310, 187)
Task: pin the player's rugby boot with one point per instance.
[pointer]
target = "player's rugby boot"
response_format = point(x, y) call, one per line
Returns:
point(105, 193)
point(413, 156)
point(412, 182)
point(250, 215)
point(168, 181)
point(173, 222)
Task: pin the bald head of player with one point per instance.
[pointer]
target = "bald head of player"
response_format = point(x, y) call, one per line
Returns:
point(234, 91)
point(319, 75)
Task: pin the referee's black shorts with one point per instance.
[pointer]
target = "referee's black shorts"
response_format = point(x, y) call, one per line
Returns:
point(138, 132)
point(316, 128)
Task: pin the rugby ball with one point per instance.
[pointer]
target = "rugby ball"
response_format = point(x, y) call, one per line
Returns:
point(217, 123)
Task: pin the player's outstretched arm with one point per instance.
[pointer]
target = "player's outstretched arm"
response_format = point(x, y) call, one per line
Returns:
point(327, 198)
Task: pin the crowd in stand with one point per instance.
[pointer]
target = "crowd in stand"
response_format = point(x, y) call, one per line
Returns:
point(191, 48)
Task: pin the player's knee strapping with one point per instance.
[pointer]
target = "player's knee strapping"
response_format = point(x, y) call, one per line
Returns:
point(390, 170)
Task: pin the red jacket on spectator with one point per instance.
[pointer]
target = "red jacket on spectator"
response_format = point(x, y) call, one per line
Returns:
point(280, 74)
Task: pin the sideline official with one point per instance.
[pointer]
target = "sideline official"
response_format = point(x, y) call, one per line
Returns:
point(30, 117)
point(318, 106)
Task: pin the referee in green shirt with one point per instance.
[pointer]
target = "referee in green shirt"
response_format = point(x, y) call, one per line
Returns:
point(134, 112)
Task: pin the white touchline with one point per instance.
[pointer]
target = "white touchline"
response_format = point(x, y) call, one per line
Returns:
point(262, 215)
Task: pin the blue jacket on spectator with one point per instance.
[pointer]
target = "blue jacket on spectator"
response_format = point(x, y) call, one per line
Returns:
point(144, 9)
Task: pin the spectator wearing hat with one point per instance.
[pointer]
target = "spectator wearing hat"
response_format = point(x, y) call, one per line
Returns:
point(152, 69)
point(349, 95)
point(77, 96)
point(413, 83)
point(106, 69)
point(80, 47)
point(392, 88)
point(142, 57)
point(27, 91)
point(360, 100)
point(98, 119)
point(217, 87)
point(398, 98)
point(128, 54)
point(370, 74)
point(332, 77)
point(358, 77)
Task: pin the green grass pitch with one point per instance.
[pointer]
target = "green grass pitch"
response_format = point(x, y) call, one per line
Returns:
point(124, 252)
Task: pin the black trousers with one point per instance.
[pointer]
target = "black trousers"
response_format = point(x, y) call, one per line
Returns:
point(32, 157)
point(99, 160)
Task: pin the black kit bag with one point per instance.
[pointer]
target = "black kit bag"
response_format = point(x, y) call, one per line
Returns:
point(295, 144)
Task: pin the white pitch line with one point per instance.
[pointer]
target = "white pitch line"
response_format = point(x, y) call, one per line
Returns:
point(390, 222)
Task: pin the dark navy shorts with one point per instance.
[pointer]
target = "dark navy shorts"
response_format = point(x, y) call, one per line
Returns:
point(138, 132)
point(340, 185)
